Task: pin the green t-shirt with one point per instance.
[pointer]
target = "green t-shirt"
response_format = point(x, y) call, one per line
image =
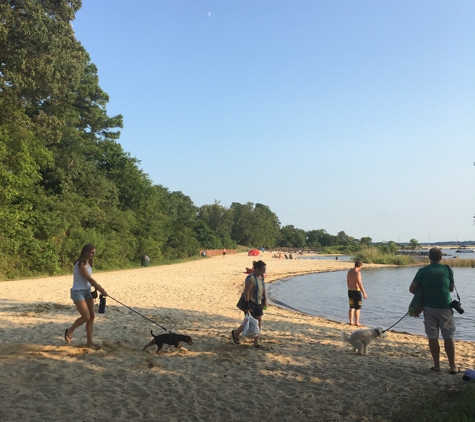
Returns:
point(435, 282)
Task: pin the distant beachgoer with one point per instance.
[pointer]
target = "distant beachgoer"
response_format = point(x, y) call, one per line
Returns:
point(82, 297)
point(224, 252)
point(355, 288)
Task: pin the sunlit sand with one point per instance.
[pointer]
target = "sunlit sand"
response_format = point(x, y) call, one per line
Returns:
point(304, 372)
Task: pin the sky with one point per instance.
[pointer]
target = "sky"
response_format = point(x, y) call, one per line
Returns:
point(344, 115)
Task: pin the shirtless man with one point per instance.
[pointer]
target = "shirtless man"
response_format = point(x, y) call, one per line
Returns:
point(355, 288)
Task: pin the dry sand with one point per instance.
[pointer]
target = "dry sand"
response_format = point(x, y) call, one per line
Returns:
point(305, 373)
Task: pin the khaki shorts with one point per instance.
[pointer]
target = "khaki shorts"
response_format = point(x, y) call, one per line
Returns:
point(435, 319)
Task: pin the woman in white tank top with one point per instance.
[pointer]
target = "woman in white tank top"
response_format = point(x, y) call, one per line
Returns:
point(81, 295)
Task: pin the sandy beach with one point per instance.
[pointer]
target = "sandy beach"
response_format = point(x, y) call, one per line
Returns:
point(304, 373)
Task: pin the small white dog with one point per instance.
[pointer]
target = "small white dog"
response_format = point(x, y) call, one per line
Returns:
point(360, 339)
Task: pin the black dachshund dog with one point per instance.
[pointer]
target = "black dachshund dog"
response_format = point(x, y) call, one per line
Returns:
point(172, 339)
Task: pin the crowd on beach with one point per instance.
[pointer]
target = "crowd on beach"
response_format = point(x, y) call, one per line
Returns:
point(281, 255)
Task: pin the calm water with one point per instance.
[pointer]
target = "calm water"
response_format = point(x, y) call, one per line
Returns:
point(449, 254)
point(325, 294)
point(324, 257)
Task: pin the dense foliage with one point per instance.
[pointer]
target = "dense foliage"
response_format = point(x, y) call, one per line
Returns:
point(66, 181)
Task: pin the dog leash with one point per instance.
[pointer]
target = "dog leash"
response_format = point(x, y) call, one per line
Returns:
point(407, 313)
point(133, 310)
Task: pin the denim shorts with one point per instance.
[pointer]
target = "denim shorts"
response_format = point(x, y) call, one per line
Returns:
point(78, 295)
point(435, 319)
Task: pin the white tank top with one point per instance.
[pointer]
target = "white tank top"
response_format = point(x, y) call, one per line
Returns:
point(79, 282)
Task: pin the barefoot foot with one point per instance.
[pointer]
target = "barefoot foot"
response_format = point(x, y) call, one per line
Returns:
point(93, 346)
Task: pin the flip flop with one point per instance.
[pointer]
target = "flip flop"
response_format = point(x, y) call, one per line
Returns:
point(455, 372)
point(259, 346)
point(235, 340)
point(67, 339)
point(435, 370)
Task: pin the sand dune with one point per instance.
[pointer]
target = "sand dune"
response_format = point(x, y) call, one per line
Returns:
point(305, 373)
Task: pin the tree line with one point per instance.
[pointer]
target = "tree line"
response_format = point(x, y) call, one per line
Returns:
point(66, 181)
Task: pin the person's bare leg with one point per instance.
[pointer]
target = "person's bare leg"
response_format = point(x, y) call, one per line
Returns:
point(357, 317)
point(90, 324)
point(83, 310)
point(351, 315)
point(238, 332)
point(256, 339)
point(449, 347)
point(435, 352)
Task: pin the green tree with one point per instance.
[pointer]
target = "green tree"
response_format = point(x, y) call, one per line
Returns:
point(243, 224)
point(365, 241)
point(414, 244)
point(293, 237)
point(40, 58)
point(388, 247)
point(266, 227)
point(254, 225)
point(313, 239)
point(344, 239)
point(181, 240)
point(322, 237)
point(219, 220)
point(65, 180)
point(206, 237)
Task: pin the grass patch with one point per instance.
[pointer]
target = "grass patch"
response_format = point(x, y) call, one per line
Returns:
point(454, 405)
point(126, 266)
point(459, 262)
point(241, 248)
point(176, 261)
point(370, 255)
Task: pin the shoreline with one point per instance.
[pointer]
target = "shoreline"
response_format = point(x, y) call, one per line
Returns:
point(304, 372)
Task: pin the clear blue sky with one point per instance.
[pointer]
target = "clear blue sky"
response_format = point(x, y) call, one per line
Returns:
point(339, 115)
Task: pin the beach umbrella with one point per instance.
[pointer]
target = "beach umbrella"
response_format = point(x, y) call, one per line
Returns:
point(253, 252)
